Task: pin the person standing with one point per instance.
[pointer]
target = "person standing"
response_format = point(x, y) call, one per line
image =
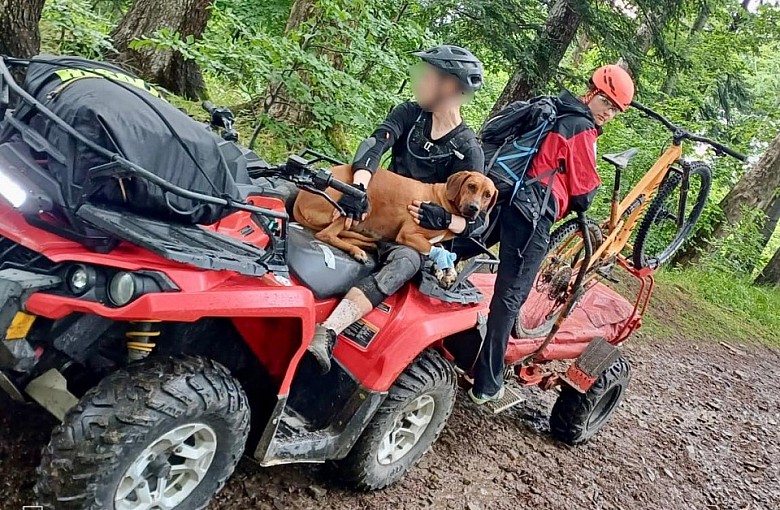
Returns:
point(566, 163)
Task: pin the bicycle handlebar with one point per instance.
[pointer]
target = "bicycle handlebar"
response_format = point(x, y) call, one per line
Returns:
point(682, 133)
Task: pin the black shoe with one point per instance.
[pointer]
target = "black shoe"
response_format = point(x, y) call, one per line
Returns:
point(321, 346)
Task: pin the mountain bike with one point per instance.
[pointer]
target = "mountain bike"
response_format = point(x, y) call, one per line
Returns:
point(662, 208)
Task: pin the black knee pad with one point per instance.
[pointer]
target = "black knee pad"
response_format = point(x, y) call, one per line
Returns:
point(370, 289)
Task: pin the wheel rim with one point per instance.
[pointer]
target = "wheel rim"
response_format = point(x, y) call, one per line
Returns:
point(604, 408)
point(407, 430)
point(168, 470)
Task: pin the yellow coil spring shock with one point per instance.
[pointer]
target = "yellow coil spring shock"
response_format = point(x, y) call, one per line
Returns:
point(140, 343)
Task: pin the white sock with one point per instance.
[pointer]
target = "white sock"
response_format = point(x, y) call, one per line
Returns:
point(345, 313)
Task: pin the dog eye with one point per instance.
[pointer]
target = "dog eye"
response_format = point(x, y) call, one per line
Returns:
point(487, 194)
point(472, 187)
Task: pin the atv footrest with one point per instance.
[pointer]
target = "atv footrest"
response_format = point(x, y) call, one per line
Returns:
point(512, 397)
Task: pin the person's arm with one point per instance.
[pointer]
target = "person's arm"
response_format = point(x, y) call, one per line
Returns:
point(371, 150)
point(583, 178)
point(368, 156)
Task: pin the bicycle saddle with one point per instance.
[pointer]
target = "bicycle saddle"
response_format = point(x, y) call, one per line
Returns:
point(621, 159)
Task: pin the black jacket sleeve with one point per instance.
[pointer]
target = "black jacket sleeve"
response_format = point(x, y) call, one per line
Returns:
point(371, 150)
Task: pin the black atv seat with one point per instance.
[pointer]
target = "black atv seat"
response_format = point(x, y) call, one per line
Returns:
point(621, 159)
point(326, 270)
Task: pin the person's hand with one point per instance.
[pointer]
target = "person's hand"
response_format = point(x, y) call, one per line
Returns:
point(355, 209)
point(430, 216)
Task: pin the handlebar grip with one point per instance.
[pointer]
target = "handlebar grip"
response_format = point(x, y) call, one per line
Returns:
point(209, 107)
point(347, 189)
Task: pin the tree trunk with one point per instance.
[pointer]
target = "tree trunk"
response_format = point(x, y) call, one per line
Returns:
point(19, 34)
point(755, 190)
point(545, 53)
point(166, 68)
point(773, 217)
point(771, 273)
point(698, 25)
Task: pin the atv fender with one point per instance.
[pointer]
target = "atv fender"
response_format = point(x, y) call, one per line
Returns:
point(594, 360)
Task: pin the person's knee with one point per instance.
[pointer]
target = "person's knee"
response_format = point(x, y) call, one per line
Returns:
point(401, 264)
point(405, 258)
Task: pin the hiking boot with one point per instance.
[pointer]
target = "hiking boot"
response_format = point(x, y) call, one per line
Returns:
point(481, 398)
point(321, 346)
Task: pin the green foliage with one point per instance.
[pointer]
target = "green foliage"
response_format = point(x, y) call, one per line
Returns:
point(75, 27)
point(346, 65)
point(713, 305)
point(740, 249)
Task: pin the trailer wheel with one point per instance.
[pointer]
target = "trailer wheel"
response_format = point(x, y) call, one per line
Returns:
point(576, 416)
point(164, 433)
point(405, 426)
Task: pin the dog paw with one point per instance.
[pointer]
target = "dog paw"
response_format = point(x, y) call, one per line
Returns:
point(359, 255)
point(447, 277)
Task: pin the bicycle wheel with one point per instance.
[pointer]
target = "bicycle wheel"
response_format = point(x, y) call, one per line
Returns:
point(672, 215)
point(544, 306)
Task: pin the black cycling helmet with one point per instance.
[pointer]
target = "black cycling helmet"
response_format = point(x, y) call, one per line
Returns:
point(457, 61)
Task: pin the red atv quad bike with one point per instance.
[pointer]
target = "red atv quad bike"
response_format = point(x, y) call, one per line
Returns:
point(168, 350)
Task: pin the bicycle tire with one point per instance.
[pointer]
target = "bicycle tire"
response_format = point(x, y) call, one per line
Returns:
point(559, 236)
point(641, 258)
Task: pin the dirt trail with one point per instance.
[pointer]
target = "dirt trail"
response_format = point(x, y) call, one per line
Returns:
point(700, 429)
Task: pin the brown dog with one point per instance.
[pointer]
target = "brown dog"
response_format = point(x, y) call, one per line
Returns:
point(465, 194)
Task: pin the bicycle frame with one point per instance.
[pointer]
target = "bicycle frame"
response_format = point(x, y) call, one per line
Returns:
point(625, 214)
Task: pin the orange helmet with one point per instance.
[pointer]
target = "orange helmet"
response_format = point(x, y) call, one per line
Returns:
point(614, 82)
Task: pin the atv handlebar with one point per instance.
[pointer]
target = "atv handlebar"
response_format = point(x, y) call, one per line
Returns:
point(300, 170)
point(681, 133)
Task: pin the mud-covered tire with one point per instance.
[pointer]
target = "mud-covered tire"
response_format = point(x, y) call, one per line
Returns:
point(576, 416)
point(115, 422)
point(429, 375)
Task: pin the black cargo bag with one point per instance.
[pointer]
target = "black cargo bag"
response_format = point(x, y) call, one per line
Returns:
point(511, 139)
point(121, 113)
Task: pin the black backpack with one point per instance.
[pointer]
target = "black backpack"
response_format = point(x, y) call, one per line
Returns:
point(122, 114)
point(512, 137)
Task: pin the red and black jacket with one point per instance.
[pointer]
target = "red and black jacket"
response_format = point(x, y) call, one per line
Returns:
point(571, 148)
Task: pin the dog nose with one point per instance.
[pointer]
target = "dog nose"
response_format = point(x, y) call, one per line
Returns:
point(472, 208)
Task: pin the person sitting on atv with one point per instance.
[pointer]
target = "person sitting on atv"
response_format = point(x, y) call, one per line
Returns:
point(567, 162)
point(429, 142)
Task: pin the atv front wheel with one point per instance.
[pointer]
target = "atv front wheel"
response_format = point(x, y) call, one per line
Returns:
point(576, 416)
point(164, 433)
point(405, 426)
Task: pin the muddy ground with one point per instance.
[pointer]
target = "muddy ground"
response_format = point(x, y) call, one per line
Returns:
point(700, 429)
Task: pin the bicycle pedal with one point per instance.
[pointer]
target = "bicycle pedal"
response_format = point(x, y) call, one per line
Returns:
point(511, 398)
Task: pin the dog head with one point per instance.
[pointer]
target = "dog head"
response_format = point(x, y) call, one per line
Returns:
point(471, 193)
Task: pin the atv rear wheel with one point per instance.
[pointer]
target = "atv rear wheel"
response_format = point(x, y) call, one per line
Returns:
point(576, 416)
point(405, 426)
point(165, 433)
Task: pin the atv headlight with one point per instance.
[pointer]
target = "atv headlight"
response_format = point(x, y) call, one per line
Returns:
point(11, 191)
point(122, 288)
point(81, 279)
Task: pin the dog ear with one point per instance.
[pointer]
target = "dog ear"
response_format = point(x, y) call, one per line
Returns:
point(493, 200)
point(454, 183)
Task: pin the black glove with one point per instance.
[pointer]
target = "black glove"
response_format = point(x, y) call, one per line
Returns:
point(434, 217)
point(354, 208)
